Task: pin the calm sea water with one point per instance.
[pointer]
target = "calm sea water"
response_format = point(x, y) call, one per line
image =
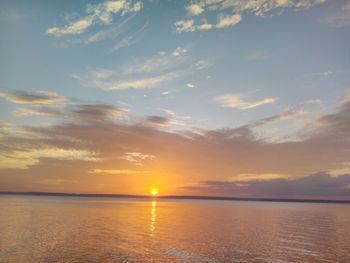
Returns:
point(72, 229)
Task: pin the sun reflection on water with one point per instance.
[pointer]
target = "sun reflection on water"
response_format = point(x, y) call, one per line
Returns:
point(152, 225)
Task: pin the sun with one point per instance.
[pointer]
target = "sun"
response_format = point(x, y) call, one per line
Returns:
point(154, 191)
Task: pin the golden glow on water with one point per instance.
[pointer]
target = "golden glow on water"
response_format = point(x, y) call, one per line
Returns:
point(149, 231)
point(152, 226)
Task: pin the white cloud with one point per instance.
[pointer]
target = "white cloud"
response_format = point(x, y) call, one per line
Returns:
point(73, 28)
point(100, 13)
point(205, 26)
point(223, 21)
point(194, 9)
point(140, 83)
point(184, 26)
point(237, 101)
point(227, 21)
point(238, 7)
point(179, 51)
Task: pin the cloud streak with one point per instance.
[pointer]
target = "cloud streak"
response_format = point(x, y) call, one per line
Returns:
point(100, 13)
point(237, 101)
point(280, 168)
point(37, 98)
point(237, 9)
point(315, 186)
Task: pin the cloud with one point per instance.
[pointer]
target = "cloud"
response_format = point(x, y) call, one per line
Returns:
point(170, 119)
point(118, 172)
point(97, 112)
point(129, 40)
point(194, 9)
point(160, 62)
point(337, 123)
point(158, 120)
point(315, 186)
point(109, 33)
point(42, 111)
point(237, 9)
point(227, 21)
point(24, 159)
point(184, 26)
point(205, 26)
point(286, 115)
point(77, 112)
point(38, 98)
point(146, 74)
point(100, 13)
point(230, 161)
point(143, 83)
point(237, 101)
point(76, 27)
point(340, 18)
point(137, 158)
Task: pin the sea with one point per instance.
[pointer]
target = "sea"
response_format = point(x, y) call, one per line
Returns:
point(95, 229)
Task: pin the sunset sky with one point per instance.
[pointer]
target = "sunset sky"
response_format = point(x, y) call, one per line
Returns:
point(245, 98)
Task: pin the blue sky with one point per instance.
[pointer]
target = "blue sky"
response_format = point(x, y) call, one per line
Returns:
point(181, 66)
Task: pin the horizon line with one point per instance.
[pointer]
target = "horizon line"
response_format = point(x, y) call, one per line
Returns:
point(189, 197)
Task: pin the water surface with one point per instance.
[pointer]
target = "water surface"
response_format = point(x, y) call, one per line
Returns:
point(84, 229)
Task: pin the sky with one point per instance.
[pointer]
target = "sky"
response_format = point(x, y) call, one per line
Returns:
point(240, 98)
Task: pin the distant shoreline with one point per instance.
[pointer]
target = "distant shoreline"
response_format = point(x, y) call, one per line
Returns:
point(283, 200)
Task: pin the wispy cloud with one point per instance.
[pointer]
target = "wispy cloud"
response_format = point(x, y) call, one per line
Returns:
point(286, 115)
point(238, 8)
point(170, 119)
point(146, 74)
point(137, 158)
point(161, 62)
point(100, 13)
point(24, 159)
point(118, 172)
point(42, 111)
point(129, 40)
point(39, 98)
point(77, 112)
point(139, 83)
point(227, 21)
point(339, 18)
point(318, 185)
point(110, 32)
point(238, 101)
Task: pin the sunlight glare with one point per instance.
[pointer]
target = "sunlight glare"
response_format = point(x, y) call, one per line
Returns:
point(154, 192)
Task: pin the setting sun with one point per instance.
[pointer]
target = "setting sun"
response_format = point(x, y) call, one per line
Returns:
point(154, 191)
